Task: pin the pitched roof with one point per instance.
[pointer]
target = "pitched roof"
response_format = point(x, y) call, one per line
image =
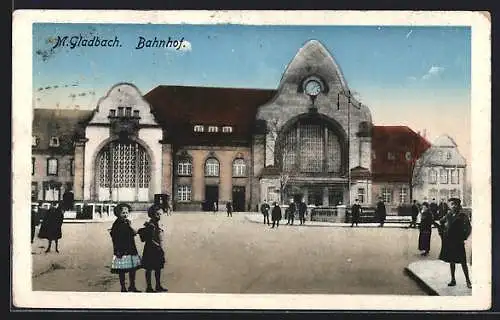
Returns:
point(404, 144)
point(64, 124)
point(444, 141)
point(179, 108)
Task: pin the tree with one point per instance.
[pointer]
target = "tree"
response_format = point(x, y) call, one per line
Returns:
point(417, 158)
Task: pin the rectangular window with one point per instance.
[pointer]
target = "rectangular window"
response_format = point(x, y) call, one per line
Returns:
point(391, 156)
point(455, 176)
point(227, 129)
point(52, 167)
point(213, 129)
point(443, 176)
point(361, 195)
point(432, 176)
point(120, 111)
point(433, 194)
point(34, 191)
point(184, 193)
point(112, 112)
point(387, 195)
point(72, 167)
point(136, 113)
point(34, 141)
point(51, 192)
point(198, 128)
point(184, 168)
point(128, 112)
point(272, 195)
point(32, 166)
point(403, 195)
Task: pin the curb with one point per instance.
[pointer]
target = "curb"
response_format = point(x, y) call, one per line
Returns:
point(421, 283)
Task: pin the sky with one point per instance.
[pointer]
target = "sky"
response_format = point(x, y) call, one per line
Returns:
point(407, 75)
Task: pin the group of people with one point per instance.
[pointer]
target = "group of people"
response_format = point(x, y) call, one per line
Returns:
point(380, 213)
point(454, 228)
point(126, 258)
point(276, 213)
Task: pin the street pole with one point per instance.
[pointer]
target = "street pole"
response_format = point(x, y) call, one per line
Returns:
point(349, 149)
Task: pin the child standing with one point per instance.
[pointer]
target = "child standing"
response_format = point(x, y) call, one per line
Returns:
point(125, 256)
point(153, 256)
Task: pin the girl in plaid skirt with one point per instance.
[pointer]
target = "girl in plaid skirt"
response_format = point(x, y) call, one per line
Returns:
point(125, 256)
point(153, 256)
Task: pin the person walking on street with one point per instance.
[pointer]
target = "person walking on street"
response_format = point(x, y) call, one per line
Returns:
point(381, 212)
point(264, 208)
point(51, 226)
point(125, 256)
point(302, 212)
point(291, 212)
point(153, 255)
point(455, 229)
point(414, 214)
point(433, 207)
point(356, 212)
point(425, 230)
point(276, 215)
point(229, 208)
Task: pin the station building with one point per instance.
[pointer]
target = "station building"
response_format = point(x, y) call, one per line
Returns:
point(309, 138)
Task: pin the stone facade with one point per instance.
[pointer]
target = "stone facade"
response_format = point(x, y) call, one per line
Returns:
point(442, 172)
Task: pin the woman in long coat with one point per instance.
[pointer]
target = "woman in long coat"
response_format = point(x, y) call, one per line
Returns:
point(455, 228)
point(426, 222)
point(51, 226)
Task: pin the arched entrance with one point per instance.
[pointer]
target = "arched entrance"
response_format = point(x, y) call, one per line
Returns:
point(123, 172)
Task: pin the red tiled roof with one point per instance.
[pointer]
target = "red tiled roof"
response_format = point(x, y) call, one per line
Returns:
point(399, 140)
point(179, 108)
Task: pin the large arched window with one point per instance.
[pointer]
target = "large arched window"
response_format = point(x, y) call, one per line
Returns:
point(123, 172)
point(212, 167)
point(310, 146)
point(239, 168)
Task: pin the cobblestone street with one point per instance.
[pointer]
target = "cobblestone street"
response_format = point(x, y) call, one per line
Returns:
point(216, 254)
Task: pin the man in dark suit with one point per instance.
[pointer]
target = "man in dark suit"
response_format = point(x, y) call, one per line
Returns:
point(291, 212)
point(433, 208)
point(355, 212)
point(264, 208)
point(442, 209)
point(302, 212)
point(414, 214)
point(276, 215)
point(381, 212)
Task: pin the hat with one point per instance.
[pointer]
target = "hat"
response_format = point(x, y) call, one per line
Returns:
point(118, 209)
point(152, 210)
point(456, 201)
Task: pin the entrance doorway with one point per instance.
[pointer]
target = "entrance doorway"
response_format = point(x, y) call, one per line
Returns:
point(239, 199)
point(211, 197)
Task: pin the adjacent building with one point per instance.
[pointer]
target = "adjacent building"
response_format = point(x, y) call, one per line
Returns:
point(441, 172)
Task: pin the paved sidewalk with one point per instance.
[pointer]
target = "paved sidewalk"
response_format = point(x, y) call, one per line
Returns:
point(258, 218)
point(434, 275)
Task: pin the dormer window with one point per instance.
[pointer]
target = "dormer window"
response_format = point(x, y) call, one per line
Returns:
point(198, 128)
point(136, 113)
point(120, 111)
point(34, 141)
point(112, 113)
point(448, 155)
point(227, 129)
point(213, 129)
point(54, 142)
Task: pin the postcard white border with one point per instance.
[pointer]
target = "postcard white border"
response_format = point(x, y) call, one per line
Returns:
point(23, 296)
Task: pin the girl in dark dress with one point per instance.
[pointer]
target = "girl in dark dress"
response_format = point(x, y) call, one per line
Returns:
point(125, 256)
point(153, 256)
point(51, 226)
point(455, 228)
point(426, 222)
